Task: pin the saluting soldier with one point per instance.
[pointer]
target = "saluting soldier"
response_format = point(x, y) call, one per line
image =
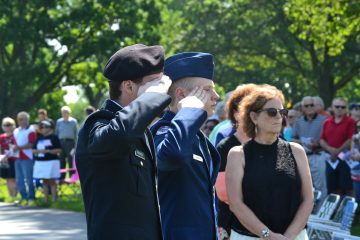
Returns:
point(187, 162)
point(115, 154)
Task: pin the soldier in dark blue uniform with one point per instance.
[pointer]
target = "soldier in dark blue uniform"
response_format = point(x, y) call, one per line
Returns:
point(187, 162)
point(115, 154)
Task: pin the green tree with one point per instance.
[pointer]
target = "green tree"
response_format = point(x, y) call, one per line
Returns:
point(271, 42)
point(41, 41)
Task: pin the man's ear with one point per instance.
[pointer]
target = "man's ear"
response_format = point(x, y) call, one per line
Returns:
point(126, 86)
point(180, 93)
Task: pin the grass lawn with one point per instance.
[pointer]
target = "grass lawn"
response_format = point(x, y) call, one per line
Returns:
point(70, 199)
point(355, 230)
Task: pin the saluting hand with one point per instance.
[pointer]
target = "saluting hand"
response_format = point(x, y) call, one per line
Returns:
point(158, 85)
point(197, 98)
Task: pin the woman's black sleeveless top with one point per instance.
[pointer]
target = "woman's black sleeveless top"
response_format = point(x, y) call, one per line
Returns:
point(271, 185)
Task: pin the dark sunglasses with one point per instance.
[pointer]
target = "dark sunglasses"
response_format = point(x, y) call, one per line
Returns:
point(41, 127)
point(6, 125)
point(272, 112)
point(338, 107)
point(309, 105)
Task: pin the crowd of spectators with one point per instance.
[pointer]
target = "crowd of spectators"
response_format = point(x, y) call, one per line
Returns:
point(32, 154)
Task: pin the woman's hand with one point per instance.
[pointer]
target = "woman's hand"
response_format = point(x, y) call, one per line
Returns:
point(277, 236)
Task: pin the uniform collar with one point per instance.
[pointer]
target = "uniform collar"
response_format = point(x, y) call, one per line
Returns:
point(111, 105)
point(168, 115)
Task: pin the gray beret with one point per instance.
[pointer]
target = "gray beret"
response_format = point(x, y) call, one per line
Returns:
point(133, 62)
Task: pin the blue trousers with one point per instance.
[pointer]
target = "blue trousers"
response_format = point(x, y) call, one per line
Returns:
point(24, 178)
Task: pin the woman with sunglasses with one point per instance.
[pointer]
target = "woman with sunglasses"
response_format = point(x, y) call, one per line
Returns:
point(47, 163)
point(7, 141)
point(268, 179)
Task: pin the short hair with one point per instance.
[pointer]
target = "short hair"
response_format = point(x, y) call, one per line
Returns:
point(89, 109)
point(114, 87)
point(339, 98)
point(66, 109)
point(23, 114)
point(297, 106)
point(319, 100)
point(306, 98)
point(42, 111)
point(253, 103)
point(8, 120)
point(186, 83)
point(237, 95)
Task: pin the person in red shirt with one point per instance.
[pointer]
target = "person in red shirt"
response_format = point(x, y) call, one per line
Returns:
point(7, 142)
point(335, 138)
point(25, 137)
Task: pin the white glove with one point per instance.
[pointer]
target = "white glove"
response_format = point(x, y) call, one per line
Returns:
point(197, 98)
point(158, 85)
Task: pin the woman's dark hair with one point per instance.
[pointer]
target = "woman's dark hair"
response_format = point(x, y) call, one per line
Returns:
point(253, 103)
point(239, 93)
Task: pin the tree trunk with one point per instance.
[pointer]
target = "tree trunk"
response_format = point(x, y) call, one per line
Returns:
point(326, 89)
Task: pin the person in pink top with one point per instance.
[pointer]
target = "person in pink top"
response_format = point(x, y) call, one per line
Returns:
point(25, 137)
point(7, 142)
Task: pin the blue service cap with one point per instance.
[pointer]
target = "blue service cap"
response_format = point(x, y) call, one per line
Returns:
point(189, 64)
point(353, 105)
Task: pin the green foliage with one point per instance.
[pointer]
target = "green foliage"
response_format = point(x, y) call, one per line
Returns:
point(52, 102)
point(89, 76)
point(262, 42)
point(300, 46)
point(78, 109)
point(40, 41)
point(220, 90)
point(326, 23)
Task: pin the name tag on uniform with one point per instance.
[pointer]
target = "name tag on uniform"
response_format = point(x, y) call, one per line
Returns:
point(198, 158)
point(140, 154)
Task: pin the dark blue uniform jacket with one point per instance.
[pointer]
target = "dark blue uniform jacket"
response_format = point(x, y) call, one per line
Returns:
point(187, 169)
point(117, 170)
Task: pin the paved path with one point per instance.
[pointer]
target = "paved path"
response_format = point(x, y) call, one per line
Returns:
point(23, 223)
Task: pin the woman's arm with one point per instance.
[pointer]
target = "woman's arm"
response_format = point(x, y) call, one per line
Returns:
point(307, 201)
point(234, 175)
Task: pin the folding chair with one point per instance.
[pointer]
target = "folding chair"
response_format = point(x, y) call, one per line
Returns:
point(70, 187)
point(325, 229)
point(325, 212)
point(337, 217)
point(327, 208)
point(343, 236)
